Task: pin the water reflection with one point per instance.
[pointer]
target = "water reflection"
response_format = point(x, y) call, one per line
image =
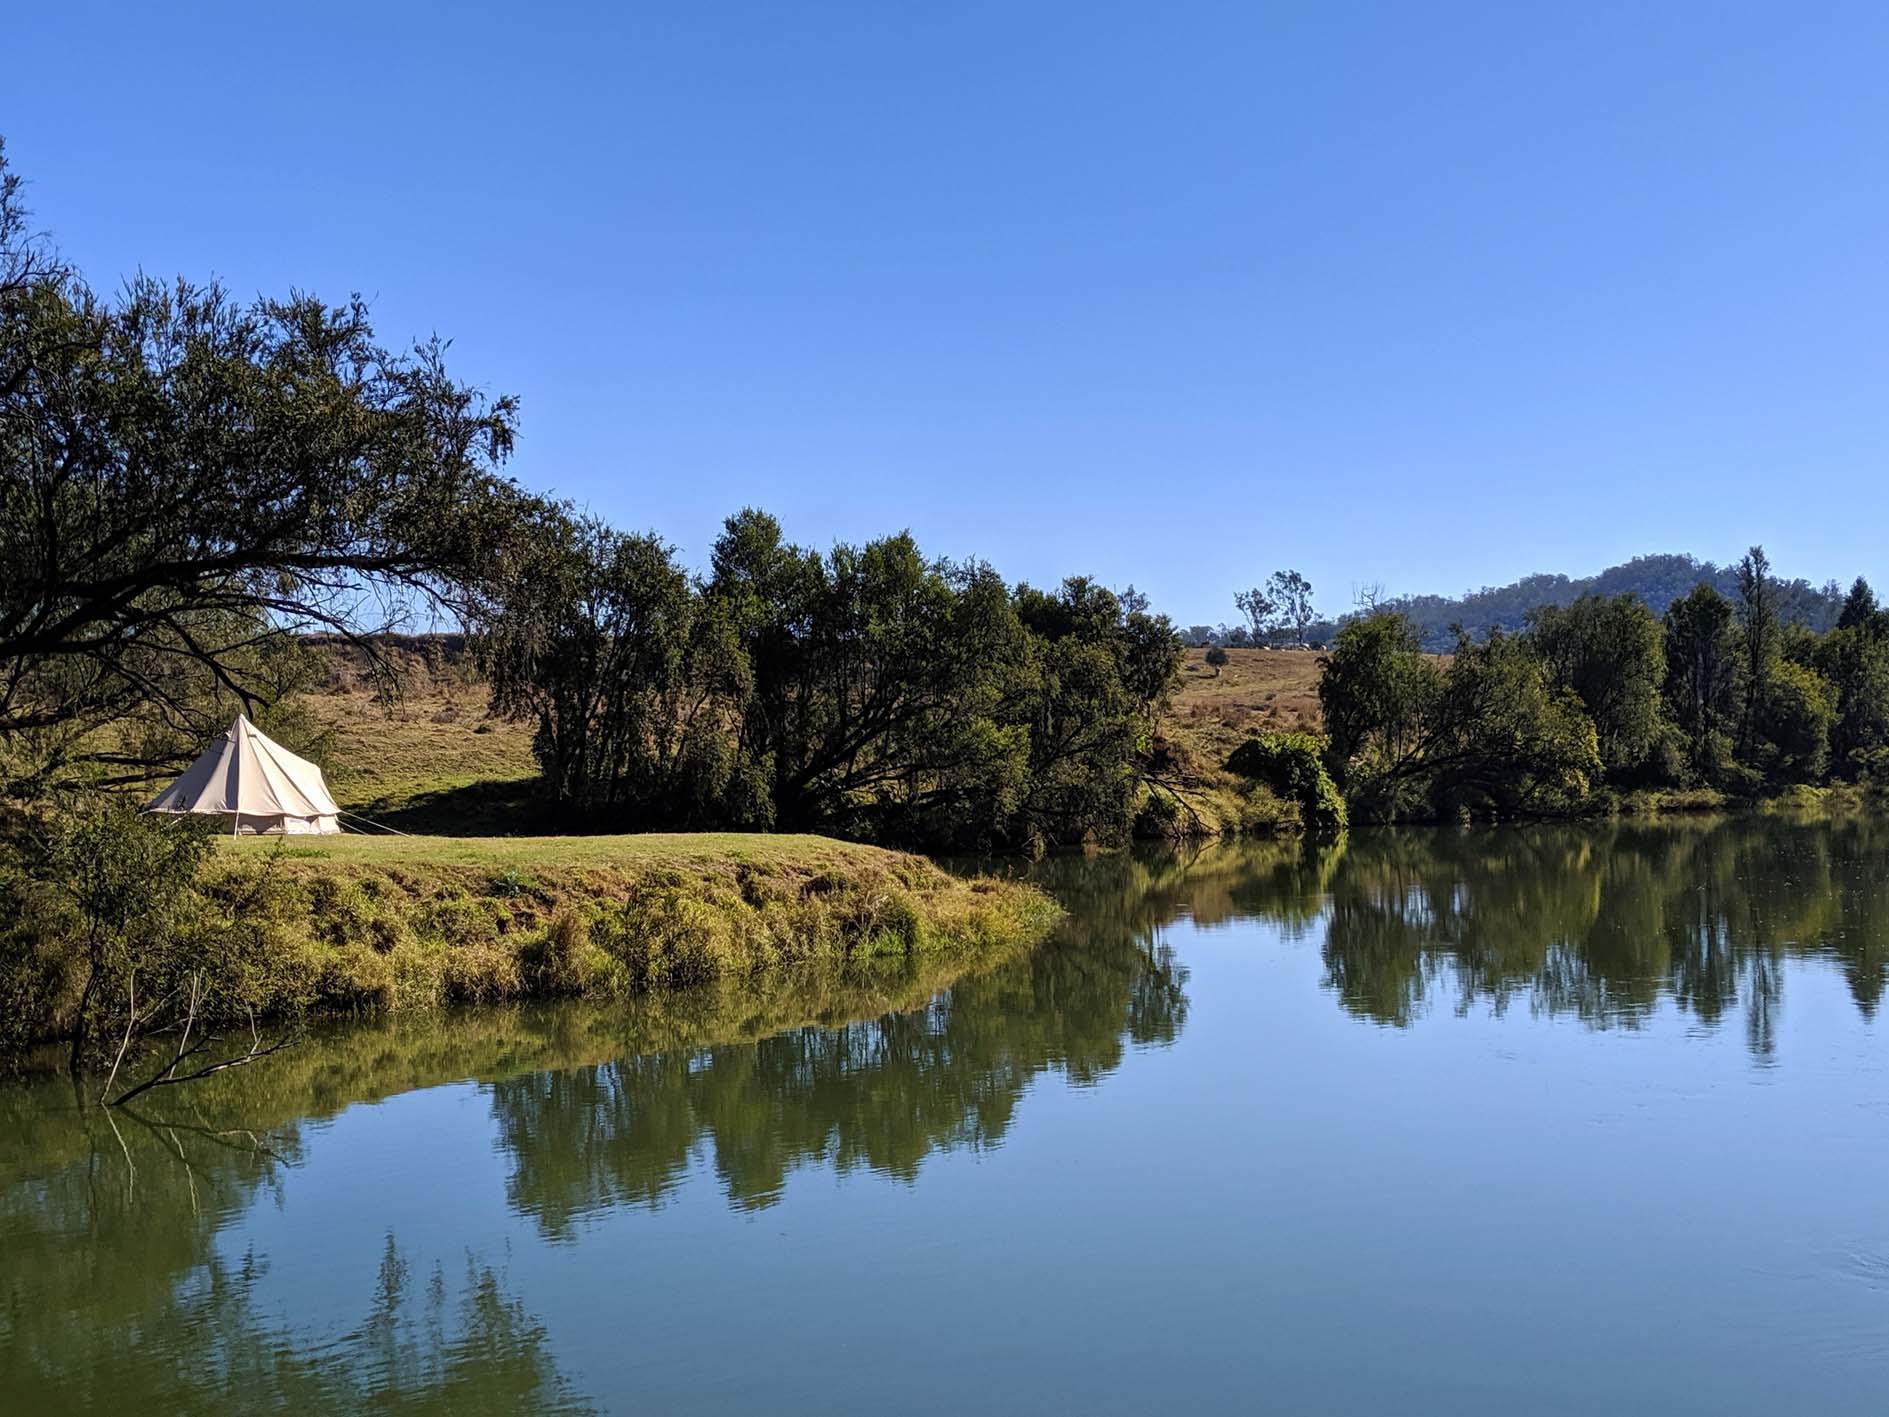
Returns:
point(115, 1295)
point(1595, 923)
point(880, 1093)
point(1601, 925)
point(111, 1222)
point(132, 1274)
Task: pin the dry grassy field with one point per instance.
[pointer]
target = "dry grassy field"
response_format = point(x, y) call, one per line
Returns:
point(431, 757)
point(1257, 690)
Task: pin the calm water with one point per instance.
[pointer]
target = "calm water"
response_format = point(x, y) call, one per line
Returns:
point(1493, 1122)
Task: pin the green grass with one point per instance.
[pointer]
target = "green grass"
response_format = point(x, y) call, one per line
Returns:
point(354, 924)
point(634, 852)
point(416, 922)
point(434, 760)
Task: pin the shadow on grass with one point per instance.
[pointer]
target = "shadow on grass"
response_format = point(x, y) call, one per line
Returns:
point(504, 808)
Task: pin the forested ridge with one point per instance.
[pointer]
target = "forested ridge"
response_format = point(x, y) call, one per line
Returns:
point(1656, 580)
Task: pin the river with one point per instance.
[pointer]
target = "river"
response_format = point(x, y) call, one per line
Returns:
point(1569, 1120)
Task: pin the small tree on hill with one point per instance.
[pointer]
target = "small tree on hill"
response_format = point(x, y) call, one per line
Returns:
point(1291, 595)
point(1217, 660)
point(1261, 612)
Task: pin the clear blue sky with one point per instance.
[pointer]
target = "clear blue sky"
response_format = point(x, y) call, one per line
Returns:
point(1431, 295)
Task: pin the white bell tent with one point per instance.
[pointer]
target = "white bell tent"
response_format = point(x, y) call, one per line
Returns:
point(256, 785)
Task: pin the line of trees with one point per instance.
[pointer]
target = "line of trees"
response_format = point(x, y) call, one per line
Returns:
point(1658, 580)
point(1602, 695)
point(189, 485)
point(867, 691)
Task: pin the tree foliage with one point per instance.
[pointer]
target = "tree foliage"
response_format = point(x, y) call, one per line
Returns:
point(1292, 600)
point(186, 482)
point(1292, 765)
point(1794, 713)
point(1726, 694)
point(1859, 606)
point(1282, 607)
point(1611, 654)
point(1855, 660)
point(1704, 677)
point(109, 941)
point(1261, 612)
point(867, 691)
point(631, 680)
point(1485, 734)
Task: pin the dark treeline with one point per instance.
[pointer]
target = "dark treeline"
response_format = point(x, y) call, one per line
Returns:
point(1602, 696)
point(866, 691)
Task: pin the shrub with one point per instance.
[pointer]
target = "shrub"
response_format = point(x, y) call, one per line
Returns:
point(556, 960)
point(1292, 765)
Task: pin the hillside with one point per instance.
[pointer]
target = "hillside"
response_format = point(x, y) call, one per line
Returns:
point(429, 759)
point(1256, 691)
point(1657, 580)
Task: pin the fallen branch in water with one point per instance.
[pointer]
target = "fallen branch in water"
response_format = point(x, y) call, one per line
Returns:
point(168, 1076)
point(214, 1135)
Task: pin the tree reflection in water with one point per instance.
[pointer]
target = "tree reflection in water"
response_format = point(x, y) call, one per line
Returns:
point(880, 1093)
point(1603, 924)
point(116, 1289)
point(116, 1297)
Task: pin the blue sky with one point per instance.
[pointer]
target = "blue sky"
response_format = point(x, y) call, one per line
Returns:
point(1430, 295)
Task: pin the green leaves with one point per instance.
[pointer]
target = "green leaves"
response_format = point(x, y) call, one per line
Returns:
point(633, 679)
point(1610, 654)
point(868, 692)
point(1486, 733)
point(1292, 766)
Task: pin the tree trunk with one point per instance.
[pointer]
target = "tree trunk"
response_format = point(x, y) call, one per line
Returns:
point(75, 1061)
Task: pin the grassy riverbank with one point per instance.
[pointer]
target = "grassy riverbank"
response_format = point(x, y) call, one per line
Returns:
point(404, 922)
point(366, 924)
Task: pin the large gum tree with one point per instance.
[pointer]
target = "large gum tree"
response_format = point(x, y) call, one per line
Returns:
point(189, 483)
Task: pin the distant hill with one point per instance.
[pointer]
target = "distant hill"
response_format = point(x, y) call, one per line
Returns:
point(1657, 580)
